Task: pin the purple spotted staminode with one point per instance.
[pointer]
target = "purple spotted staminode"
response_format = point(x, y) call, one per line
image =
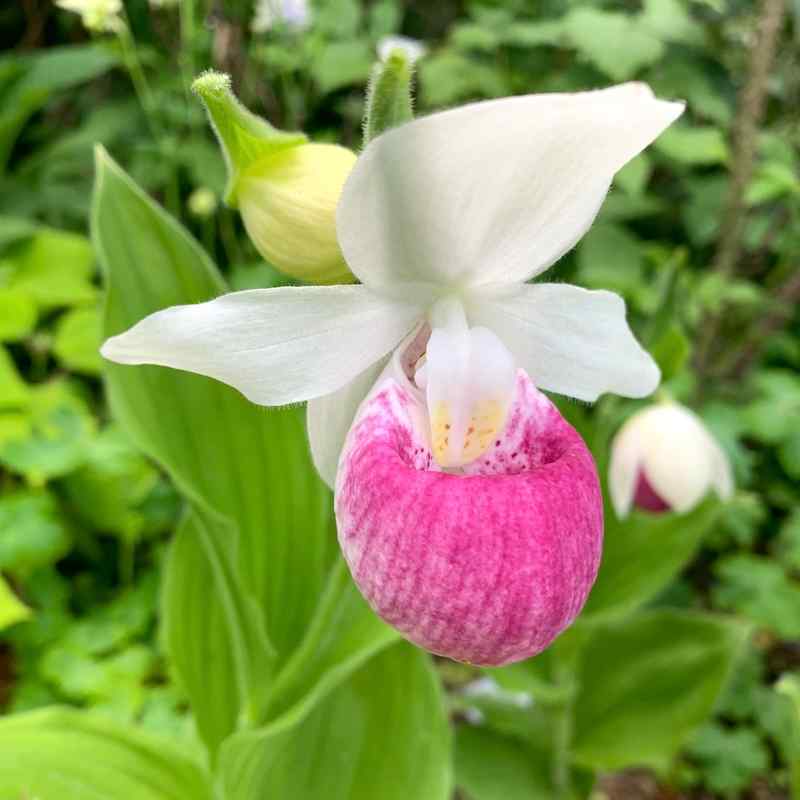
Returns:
point(468, 509)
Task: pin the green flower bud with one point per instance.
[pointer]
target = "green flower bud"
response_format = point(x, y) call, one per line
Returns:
point(286, 188)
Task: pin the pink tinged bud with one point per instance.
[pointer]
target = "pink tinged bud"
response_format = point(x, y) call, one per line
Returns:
point(486, 563)
point(646, 497)
point(665, 459)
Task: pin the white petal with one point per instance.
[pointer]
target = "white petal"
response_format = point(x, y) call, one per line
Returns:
point(329, 419)
point(469, 385)
point(623, 470)
point(570, 340)
point(494, 191)
point(276, 346)
point(721, 472)
point(678, 454)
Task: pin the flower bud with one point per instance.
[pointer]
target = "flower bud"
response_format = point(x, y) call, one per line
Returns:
point(288, 205)
point(286, 189)
point(664, 459)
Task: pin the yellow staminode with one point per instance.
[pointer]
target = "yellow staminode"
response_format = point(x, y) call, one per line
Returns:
point(457, 444)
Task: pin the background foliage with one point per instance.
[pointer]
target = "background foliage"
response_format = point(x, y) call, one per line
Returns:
point(180, 579)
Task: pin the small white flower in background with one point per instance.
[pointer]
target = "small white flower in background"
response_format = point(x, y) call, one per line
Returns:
point(665, 459)
point(296, 14)
point(97, 15)
point(444, 220)
point(413, 48)
point(202, 202)
point(164, 3)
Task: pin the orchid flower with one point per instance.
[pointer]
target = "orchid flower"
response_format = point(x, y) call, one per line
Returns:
point(468, 510)
point(665, 459)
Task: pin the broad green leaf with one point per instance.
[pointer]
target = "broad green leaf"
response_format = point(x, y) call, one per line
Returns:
point(612, 258)
point(341, 64)
point(343, 634)
point(17, 314)
point(693, 145)
point(647, 682)
point(32, 532)
point(643, 553)
point(670, 20)
point(13, 390)
point(221, 653)
point(244, 462)
point(55, 268)
point(633, 177)
point(381, 734)
point(77, 340)
point(12, 609)
point(41, 73)
point(612, 41)
point(493, 767)
point(58, 754)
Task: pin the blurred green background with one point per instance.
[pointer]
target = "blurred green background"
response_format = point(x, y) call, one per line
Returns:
point(710, 213)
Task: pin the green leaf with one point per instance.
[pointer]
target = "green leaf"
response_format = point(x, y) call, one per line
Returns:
point(56, 437)
point(17, 314)
point(730, 759)
point(633, 177)
point(389, 95)
point(760, 589)
point(221, 654)
point(12, 609)
point(771, 416)
point(643, 553)
point(612, 41)
point(13, 390)
point(693, 145)
point(384, 733)
point(244, 137)
point(343, 634)
point(490, 766)
point(57, 754)
point(612, 258)
point(77, 340)
point(43, 72)
point(109, 492)
point(671, 351)
point(789, 455)
point(55, 268)
point(32, 532)
point(646, 683)
point(249, 465)
point(341, 64)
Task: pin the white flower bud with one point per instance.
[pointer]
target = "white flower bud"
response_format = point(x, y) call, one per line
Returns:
point(414, 49)
point(663, 458)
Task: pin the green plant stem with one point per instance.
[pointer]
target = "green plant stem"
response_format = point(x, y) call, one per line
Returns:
point(187, 12)
point(562, 737)
point(140, 85)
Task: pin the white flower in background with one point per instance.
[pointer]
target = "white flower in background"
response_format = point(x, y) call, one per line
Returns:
point(413, 48)
point(663, 459)
point(444, 220)
point(202, 202)
point(296, 14)
point(164, 3)
point(96, 15)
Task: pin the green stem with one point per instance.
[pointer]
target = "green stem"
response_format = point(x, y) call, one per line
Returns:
point(562, 738)
point(187, 41)
point(140, 85)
